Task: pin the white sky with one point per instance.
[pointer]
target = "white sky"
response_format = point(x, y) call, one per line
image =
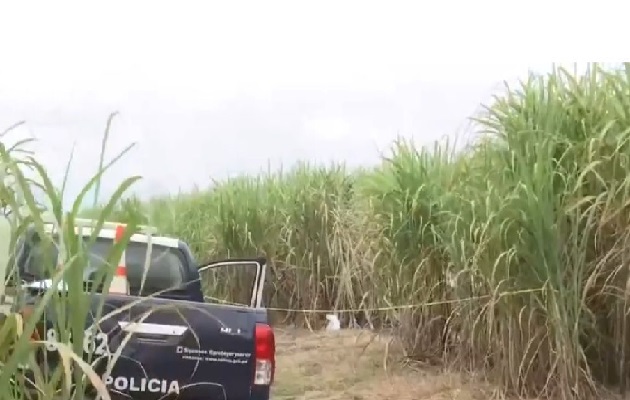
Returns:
point(215, 88)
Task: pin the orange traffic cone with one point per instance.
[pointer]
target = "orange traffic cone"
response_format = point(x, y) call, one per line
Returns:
point(120, 284)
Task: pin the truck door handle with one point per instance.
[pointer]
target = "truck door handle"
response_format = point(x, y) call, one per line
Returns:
point(150, 329)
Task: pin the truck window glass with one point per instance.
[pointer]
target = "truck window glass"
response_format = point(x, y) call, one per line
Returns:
point(166, 269)
point(230, 284)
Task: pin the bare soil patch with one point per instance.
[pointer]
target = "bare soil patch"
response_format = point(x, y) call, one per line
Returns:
point(359, 365)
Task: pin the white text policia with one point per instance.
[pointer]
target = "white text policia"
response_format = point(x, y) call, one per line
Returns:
point(132, 384)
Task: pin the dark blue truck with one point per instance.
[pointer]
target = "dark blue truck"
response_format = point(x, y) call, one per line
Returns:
point(175, 345)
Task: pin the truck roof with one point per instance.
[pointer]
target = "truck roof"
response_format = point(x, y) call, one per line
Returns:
point(85, 227)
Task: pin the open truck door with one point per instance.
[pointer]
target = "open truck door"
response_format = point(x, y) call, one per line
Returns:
point(246, 276)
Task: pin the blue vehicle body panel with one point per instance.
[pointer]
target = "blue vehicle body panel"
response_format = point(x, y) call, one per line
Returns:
point(205, 363)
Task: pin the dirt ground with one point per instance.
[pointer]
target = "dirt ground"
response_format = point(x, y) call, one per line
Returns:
point(358, 365)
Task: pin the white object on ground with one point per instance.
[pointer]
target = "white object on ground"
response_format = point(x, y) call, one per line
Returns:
point(333, 322)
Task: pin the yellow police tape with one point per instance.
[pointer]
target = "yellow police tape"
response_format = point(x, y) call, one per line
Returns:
point(386, 308)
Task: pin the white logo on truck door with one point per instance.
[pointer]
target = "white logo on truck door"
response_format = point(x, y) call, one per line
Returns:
point(122, 383)
point(96, 343)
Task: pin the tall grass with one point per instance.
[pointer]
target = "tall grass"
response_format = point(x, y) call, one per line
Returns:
point(23, 373)
point(514, 253)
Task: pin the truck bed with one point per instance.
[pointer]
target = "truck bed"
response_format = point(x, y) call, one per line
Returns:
point(196, 350)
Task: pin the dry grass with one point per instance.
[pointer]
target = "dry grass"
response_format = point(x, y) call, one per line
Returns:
point(357, 365)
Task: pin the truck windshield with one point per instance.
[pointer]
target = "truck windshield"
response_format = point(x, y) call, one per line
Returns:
point(166, 269)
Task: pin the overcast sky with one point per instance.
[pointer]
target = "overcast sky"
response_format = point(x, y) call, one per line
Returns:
point(212, 89)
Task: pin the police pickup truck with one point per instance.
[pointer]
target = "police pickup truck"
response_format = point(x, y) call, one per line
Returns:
point(171, 343)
